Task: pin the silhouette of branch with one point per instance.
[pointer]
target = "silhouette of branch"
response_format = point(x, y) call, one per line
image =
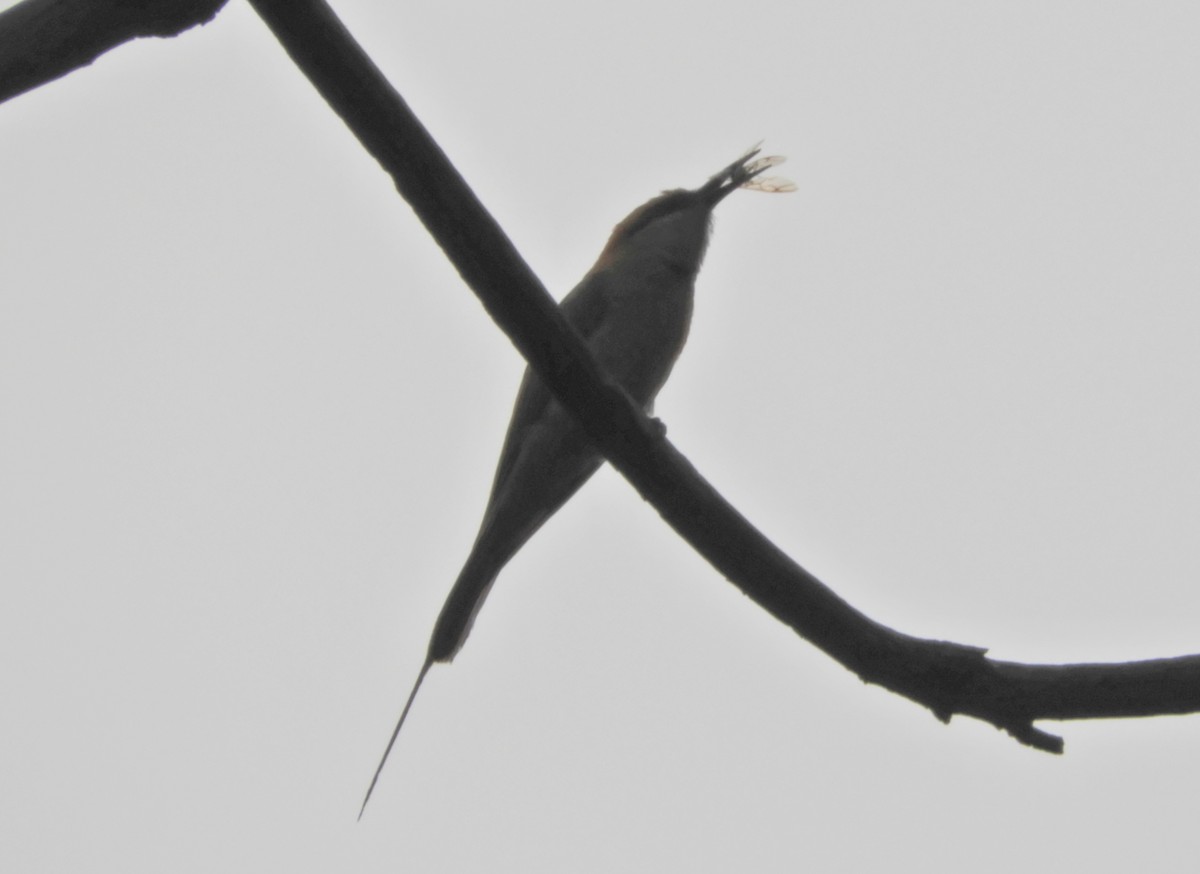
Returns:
point(947, 678)
point(41, 40)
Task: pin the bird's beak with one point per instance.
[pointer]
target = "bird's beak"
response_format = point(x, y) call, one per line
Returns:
point(736, 175)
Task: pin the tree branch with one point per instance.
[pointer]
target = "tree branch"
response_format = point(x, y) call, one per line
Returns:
point(947, 678)
point(42, 40)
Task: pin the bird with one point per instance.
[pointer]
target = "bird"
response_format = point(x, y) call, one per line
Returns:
point(633, 310)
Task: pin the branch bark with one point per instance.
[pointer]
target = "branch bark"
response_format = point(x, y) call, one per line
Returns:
point(947, 678)
point(42, 40)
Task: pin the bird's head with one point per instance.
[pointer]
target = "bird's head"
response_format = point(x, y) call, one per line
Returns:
point(674, 226)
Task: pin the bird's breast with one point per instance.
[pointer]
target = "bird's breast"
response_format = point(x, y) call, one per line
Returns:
point(643, 333)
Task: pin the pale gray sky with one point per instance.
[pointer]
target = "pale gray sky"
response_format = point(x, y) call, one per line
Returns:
point(250, 417)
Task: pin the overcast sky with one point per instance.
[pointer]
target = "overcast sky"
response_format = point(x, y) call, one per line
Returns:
point(249, 417)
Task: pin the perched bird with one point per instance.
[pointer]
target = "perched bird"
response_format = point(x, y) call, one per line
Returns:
point(633, 309)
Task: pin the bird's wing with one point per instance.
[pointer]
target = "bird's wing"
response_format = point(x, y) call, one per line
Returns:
point(587, 305)
point(584, 308)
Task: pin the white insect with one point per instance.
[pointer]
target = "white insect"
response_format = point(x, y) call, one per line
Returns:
point(768, 184)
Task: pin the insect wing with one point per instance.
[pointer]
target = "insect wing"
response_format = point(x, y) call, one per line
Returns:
point(770, 184)
point(764, 163)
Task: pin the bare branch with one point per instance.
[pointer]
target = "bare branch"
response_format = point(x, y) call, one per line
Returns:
point(947, 678)
point(42, 40)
